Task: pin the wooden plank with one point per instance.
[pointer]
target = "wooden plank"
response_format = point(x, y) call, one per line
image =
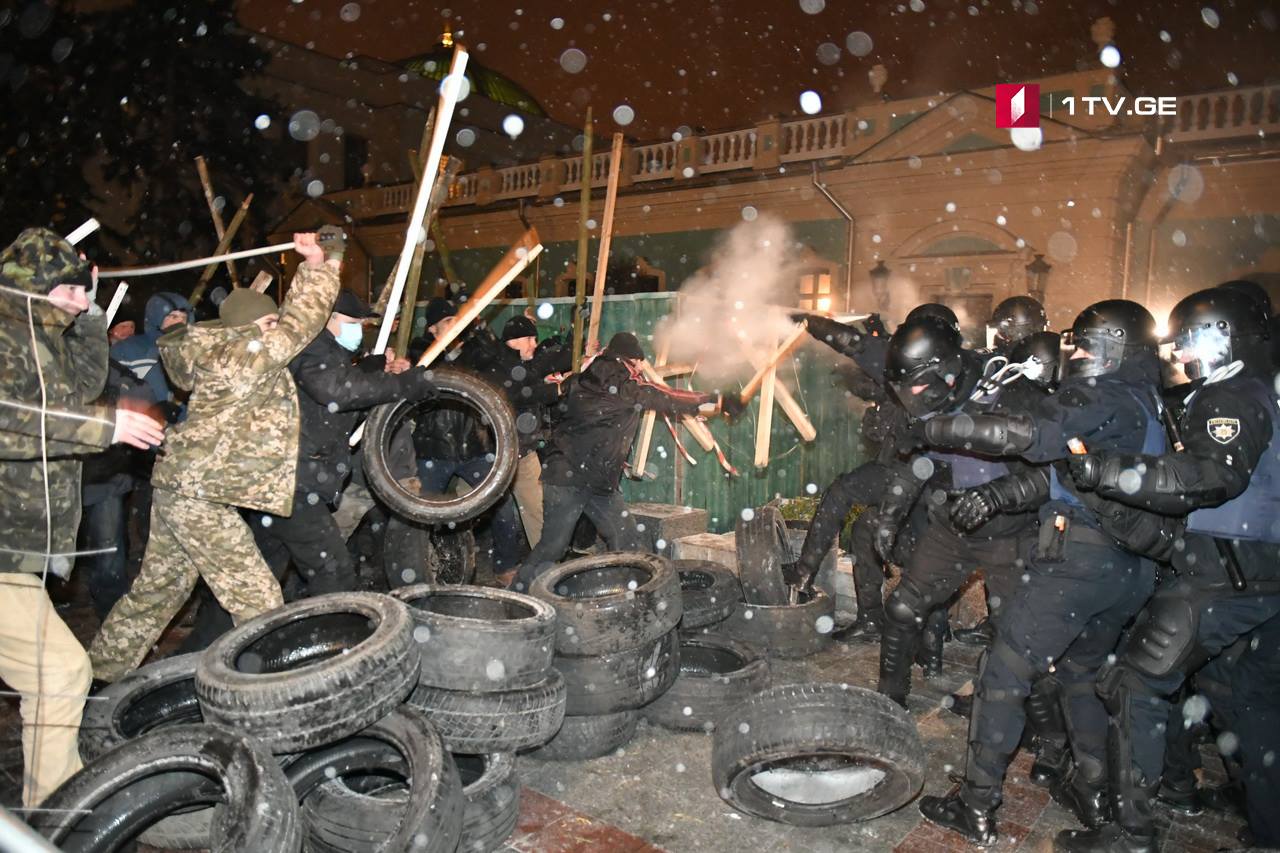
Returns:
point(749, 390)
point(223, 245)
point(786, 401)
point(764, 424)
point(449, 92)
point(584, 213)
point(699, 430)
point(606, 238)
point(261, 282)
point(650, 417)
point(202, 169)
point(439, 192)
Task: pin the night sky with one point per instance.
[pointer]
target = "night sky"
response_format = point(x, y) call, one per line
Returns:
point(722, 65)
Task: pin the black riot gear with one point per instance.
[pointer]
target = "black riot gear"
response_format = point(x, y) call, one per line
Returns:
point(1251, 289)
point(1017, 318)
point(924, 365)
point(936, 310)
point(1040, 356)
point(1106, 335)
point(1211, 329)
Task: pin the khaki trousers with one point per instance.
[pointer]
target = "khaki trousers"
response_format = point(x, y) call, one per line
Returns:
point(527, 490)
point(41, 659)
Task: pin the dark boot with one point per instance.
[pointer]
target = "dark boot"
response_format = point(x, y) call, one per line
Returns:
point(961, 705)
point(1176, 795)
point(1111, 838)
point(897, 647)
point(864, 629)
point(978, 825)
point(979, 635)
point(1053, 760)
point(1088, 801)
point(929, 654)
point(1046, 722)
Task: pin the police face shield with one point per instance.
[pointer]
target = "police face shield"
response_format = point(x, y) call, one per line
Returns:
point(1201, 351)
point(923, 392)
point(1089, 355)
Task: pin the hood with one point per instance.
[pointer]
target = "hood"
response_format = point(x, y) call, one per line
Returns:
point(159, 306)
point(39, 260)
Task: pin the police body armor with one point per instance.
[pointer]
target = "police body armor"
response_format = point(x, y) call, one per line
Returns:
point(1253, 515)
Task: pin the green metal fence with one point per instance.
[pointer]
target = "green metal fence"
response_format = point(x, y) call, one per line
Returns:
point(795, 468)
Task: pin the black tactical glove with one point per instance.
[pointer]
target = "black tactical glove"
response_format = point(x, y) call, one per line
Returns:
point(973, 509)
point(334, 242)
point(1019, 491)
point(1086, 470)
point(799, 316)
point(731, 406)
point(910, 439)
point(885, 538)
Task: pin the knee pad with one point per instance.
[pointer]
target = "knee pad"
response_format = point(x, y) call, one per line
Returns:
point(1166, 639)
point(907, 605)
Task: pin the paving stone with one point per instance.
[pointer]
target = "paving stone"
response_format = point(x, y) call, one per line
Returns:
point(666, 523)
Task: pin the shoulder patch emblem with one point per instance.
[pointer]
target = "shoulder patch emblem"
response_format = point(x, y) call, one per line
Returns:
point(1223, 430)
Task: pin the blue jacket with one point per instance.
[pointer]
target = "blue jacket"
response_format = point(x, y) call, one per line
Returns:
point(140, 353)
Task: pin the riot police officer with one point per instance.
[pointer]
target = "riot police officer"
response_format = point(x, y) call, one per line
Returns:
point(931, 373)
point(1227, 482)
point(1015, 319)
point(1079, 587)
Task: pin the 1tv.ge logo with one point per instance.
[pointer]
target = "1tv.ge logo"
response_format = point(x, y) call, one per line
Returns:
point(1018, 105)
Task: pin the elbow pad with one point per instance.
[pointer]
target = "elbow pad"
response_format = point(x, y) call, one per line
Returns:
point(995, 435)
point(1170, 483)
point(1020, 491)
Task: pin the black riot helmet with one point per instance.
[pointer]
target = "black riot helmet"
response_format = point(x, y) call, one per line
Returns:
point(1040, 354)
point(1106, 335)
point(1213, 328)
point(1251, 289)
point(936, 310)
point(1017, 318)
point(923, 365)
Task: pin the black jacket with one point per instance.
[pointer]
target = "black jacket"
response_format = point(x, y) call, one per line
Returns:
point(332, 393)
point(526, 388)
point(450, 430)
point(598, 418)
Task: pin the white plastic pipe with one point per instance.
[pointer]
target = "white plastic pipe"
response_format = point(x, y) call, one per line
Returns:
point(90, 225)
point(116, 299)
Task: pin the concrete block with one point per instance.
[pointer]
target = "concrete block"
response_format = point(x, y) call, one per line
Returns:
point(666, 523)
point(713, 547)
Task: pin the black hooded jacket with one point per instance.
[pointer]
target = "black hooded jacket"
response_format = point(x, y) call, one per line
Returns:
point(598, 417)
point(526, 388)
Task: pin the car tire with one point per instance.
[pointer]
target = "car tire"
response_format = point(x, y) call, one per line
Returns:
point(491, 792)
point(481, 639)
point(115, 798)
point(494, 411)
point(480, 723)
point(313, 672)
point(584, 738)
point(620, 681)
point(709, 593)
point(785, 631)
point(783, 735)
point(610, 602)
point(762, 547)
point(715, 675)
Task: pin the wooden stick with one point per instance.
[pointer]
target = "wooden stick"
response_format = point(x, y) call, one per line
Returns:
point(223, 245)
point(606, 238)
point(650, 417)
point(749, 390)
point(517, 258)
point(785, 401)
point(764, 424)
point(699, 430)
point(448, 172)
point(202, 169)
point(449, 91)
point(116, 299)
point(668, 370)
point(261, 282)
point(584, 213)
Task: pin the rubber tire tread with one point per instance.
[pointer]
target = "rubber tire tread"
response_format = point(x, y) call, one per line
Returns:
point(618, 621)
point(762, 547)
point(708, 695)
point(494, 409)
point(808, 719)
point(705, 607)
point(460, 650)
point(788, 631)
point(322, 702)
point(479, 723)
point(588, 737)
point(620, 681)
point(492, 805)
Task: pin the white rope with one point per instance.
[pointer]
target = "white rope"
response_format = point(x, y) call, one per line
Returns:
point(44, 412)
point(89, 553)
point(178, 266)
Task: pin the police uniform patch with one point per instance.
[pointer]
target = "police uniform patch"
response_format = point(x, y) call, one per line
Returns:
point(1223, 430)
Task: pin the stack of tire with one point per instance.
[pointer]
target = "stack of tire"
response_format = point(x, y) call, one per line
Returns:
point(782, 621)
point(616, 645)
point(291, 729)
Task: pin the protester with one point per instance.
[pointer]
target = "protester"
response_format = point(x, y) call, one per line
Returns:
point(141, 353)
point(238, 447)
point(53, 362)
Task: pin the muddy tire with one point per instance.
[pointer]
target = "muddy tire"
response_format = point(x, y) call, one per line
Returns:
point(785, 631)
point(402, 497)
point(716, 674)
point(620, 681)
point(861, 748)
point(709, 592)
point(584, 738)
point(480, 723)
point(491, 792)
point(762, 548)
point(611, 602)
point(481, 639)
point(313, 672)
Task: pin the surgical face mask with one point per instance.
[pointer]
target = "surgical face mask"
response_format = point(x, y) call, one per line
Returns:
point(351, 336)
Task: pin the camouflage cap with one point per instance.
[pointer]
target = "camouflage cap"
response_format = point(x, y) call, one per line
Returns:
point(40, 260)
point(244, 305)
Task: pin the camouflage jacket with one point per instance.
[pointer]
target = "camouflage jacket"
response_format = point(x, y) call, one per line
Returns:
point(72, 355)
point(239, 443)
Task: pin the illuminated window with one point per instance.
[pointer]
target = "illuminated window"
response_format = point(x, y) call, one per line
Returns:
point(814, 291)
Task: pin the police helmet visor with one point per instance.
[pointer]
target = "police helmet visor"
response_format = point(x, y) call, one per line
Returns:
point(1202, 350)
point(924, 391)
point(1089, 354)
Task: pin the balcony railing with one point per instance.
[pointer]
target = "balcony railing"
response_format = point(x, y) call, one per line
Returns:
point(1232, 114)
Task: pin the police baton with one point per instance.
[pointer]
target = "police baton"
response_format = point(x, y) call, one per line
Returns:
point(1225, 549)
